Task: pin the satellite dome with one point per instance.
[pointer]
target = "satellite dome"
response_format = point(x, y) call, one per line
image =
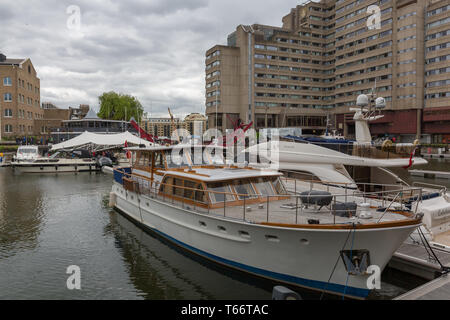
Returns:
point(380, 103)
point(362, 100)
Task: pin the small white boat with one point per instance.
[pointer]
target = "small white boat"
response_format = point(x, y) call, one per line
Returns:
point(29, 160)
point(245, 219)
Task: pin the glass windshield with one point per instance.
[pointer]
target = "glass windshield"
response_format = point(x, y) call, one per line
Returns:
point(264, 187)
point(223, 192)
point(279, 186)
point(244, 189)
point(28, 150)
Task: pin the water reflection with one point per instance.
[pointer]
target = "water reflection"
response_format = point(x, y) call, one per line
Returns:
point(19, 226)
point(163, 271)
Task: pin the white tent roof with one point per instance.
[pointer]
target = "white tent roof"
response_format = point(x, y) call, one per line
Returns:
point(115, 139)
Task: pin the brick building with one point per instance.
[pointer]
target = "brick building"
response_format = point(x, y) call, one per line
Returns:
point(19, 98)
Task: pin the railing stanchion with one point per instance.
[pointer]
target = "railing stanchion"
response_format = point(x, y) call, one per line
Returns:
point(418, 201)
point(267, 198)
point(296, 208)
point(224, 203)
point(334, 215)
point(401, 200)
point(364, 194)
point(244, 207)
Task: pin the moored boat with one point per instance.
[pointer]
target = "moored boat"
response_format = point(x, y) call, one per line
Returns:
point(29, 160)
point(244, 218)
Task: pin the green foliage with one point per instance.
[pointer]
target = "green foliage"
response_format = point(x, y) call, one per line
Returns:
point(117, 106)
point(8, 148)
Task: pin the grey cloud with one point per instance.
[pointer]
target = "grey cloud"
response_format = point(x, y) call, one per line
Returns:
point(152, 49)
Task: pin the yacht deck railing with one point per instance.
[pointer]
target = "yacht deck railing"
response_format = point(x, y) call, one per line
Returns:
point(279, 208)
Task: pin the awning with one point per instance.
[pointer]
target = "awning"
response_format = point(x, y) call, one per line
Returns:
point(103, 140)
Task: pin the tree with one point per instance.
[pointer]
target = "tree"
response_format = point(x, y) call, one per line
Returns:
point(117, 106)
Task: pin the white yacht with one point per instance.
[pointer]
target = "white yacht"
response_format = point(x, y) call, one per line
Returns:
point(244, 218)
point(30, 160)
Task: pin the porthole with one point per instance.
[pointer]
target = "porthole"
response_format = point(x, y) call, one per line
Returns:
point(244, 234)
point(222, 229)
point(272, 238)
point(202, 224)
point(304, 241)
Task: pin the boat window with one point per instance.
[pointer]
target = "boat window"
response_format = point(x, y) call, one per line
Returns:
point(178, 187)
point(200, 195)
point(27, 150)
point(244, 189)
point(167, 187)
point(223, 192)
point(189, 193)
point(197, 194)
point(264, 187)
point(159, 160)
point(300, 175)
point(279, 186)
point(142, 159)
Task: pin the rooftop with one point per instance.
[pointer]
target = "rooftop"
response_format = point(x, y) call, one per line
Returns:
point(6, 61)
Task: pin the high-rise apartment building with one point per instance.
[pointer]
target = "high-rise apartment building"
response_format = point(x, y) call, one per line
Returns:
point(327, 53)
point(19, 97)
point(436, 114)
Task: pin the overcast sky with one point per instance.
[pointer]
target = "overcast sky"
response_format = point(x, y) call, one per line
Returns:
point(151, 49)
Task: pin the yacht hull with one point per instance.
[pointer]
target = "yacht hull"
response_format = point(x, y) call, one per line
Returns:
point(302, 257)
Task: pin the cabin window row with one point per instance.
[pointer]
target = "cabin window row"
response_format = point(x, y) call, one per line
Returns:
point(235, 190)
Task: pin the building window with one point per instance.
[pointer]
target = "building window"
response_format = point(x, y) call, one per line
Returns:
point(7, 81)
point(8, 113)
point(7, 97)
point(8, 128)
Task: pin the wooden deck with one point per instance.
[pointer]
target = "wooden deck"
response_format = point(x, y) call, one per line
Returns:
point(285, 212)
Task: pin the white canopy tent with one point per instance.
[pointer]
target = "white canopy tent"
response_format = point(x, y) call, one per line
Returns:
point(101, 141)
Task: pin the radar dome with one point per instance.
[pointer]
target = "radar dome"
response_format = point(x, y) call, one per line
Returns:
point(380, 103)
point(362, 100)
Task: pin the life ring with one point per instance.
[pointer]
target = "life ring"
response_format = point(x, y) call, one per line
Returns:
point(128, 154)
point(386, 144)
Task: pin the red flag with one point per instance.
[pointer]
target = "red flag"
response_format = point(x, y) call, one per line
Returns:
point(142, 133)
point(410, 159)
